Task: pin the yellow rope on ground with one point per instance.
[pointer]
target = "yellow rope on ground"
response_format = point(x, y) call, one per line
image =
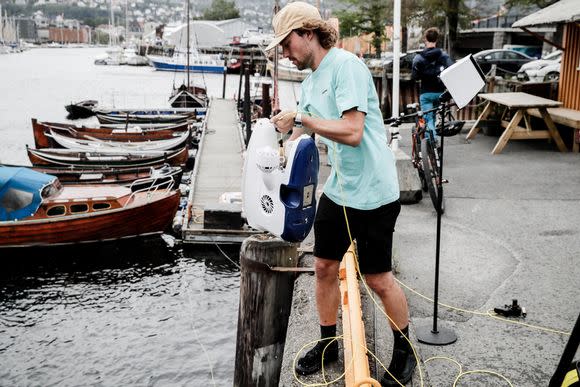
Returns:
point(335, 338)
point(488, 313)
point(481, 372)
point(448, 359)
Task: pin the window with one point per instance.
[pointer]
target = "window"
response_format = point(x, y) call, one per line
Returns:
point(512, 55)
point(101, 206)
point(56, 211)
point(76, 208)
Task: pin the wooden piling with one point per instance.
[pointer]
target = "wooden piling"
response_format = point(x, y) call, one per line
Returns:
point(247, 102)
point(266, 288)
point(266, 101)
point(224, 82)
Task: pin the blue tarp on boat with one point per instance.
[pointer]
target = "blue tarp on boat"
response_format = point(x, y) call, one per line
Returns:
point(20, 191)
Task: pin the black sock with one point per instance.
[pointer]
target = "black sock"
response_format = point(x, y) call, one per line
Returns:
point(400, 341)
point(327, 331)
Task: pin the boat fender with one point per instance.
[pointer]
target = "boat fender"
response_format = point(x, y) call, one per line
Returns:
point(278, 192)
point(177, 225)
point(184, 189)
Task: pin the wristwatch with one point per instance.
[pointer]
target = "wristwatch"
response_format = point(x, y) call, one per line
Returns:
point(298, 120)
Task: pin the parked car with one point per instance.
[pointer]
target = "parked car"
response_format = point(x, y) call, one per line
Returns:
point(531, 51)
point(507, 61)
point(545, 69)
point(405, 61)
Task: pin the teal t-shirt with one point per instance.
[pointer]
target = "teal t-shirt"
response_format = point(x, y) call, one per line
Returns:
point(365, 176)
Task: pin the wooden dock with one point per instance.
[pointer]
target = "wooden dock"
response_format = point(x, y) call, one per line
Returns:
point(210, 217)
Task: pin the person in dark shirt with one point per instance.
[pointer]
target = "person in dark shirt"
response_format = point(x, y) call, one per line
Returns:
point(427, 66)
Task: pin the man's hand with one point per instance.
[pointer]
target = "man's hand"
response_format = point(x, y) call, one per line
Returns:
point(284, 120)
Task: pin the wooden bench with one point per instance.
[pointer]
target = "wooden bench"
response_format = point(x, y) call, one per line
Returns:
point(566, 117)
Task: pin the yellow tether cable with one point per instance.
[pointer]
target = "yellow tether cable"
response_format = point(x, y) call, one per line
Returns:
point(335, 338)
point(489, 313)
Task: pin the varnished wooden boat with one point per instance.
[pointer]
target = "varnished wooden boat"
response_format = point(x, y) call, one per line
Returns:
point(81, 214)
point(132, 133)
point(120, 176)
point(103, 160)
point(90, 144)
point(148, 115)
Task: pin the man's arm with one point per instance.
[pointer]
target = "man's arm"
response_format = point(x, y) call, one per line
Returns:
point(448, 61)
point(346, 130)
point(415, 72)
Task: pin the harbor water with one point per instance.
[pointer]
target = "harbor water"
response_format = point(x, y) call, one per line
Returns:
point(142, 312)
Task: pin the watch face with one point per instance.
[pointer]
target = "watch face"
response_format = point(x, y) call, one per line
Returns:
point(298, 119)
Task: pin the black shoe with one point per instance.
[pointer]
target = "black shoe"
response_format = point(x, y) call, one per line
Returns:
point(402, 366)
point(312, 361)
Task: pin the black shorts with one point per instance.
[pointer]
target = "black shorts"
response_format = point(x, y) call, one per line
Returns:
point(372, 230)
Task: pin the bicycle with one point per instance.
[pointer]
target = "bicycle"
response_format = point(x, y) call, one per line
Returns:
point(426, 153)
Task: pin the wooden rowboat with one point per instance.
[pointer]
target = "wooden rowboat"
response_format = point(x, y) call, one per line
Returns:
point(121, 116)
point(90, 144)
point(80, 159)
point(119, 176)
point(132, 133)
point(82, 109)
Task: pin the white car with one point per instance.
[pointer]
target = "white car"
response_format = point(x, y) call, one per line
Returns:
point(546, 69)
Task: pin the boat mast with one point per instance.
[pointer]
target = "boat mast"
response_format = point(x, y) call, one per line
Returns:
point(1, 28)
point(112, 25)
point(187, 16)
point(126, 23)
point(275, 96)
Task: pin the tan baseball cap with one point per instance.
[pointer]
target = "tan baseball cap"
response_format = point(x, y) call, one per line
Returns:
point(292, 17)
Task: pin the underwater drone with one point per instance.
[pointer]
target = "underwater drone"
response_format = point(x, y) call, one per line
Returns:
point(279, 183)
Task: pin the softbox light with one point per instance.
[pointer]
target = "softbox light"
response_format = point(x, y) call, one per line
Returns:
point(463, 79)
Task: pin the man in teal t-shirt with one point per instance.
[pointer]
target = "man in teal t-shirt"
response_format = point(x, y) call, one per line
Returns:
point(339, 103)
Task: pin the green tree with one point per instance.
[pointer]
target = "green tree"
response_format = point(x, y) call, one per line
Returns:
point(434, 13)
point(366, 16)
point(538, 3)
point(221, 10)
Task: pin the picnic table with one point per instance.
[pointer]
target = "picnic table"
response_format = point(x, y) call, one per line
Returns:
point(520, 102)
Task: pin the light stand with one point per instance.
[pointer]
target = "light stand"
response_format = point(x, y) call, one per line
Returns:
point(438, 335)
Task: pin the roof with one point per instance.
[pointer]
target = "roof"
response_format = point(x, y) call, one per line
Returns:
point(20, 191)
point(564, 11)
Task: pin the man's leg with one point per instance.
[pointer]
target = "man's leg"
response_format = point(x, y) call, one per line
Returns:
point(395, 303)
point(392, 297)
point(429, 101)
point(327, 301)
point(327, 291)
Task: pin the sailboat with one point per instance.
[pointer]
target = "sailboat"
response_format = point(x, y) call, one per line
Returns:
point(188, 95)
point(195, 62)
point(191, 60)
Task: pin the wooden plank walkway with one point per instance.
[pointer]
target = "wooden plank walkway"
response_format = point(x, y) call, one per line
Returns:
point(218, 169)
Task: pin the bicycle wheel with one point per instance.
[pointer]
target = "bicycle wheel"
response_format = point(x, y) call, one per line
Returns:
point(431, 171)
point(416, 159)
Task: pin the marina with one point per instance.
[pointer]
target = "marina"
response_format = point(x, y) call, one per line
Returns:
point(127, 295)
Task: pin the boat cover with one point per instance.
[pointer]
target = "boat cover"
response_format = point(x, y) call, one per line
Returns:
point(21, 191)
